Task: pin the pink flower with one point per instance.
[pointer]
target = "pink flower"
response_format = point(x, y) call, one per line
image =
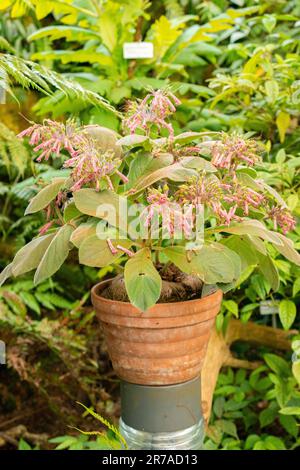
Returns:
point(243, 197)
point(152, 110)
point(44, 229)
point(173, 218)
point(88, 163)
point(90, 166)
point(282, 218)
point(114, 250)
point(233, 150)
point(52, 137)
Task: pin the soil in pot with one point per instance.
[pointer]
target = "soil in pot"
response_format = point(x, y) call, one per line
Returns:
point(176, 286)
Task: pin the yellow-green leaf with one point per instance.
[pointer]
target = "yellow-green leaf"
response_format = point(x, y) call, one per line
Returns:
point(287, 313)
point(45, 196)
point(283, 121)
point(56, 253)
point(142, 281)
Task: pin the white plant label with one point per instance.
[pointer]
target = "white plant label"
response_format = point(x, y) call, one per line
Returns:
point(138, 50)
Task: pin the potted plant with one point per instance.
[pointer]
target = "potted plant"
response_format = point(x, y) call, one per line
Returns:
point(184, 217)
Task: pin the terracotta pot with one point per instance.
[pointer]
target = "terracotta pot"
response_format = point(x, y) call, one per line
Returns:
point(164, 345)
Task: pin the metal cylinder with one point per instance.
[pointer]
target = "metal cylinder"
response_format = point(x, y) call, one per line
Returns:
point(162, 417)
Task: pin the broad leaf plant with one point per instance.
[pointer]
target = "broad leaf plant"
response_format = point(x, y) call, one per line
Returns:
point(154, 178)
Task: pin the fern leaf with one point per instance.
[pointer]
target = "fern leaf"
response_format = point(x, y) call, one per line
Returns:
point(31, 75)
point(100, 434)
point(5, 46)
point(106, 423)
point(12, 150)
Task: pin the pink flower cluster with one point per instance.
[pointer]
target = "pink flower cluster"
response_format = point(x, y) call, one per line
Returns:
point(208, 191)
point(224, 199)
point(89, 165)
point(282, 218)
point(154, 109)
point(173, 219)
point(52, 137)
point(233, 150)
point(200, 190)
point(243, 197)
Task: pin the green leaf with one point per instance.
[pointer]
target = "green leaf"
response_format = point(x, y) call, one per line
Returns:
point(269, 270)
point(23, 445)
point(256, 228)
point(259, 445)
point(272, 90)
point(289, 423)
point(133, 140)
point(197, 163)
point(30, 301)
point(251, 441)
point(178, 256)
point(58, 301)
point(144, 164)
point(292, 202)
point(232, 307)
point(96, 252)
point(108, 30)
point(71, 212)
point(280, 156)
point(287, 249)
point(274, 443)
point(30, 255)
point(218, 406)
point(186, 137)
point(268, 416)
point(296, 370)
point(228, 427)
point(142, 281)
point(278, 365)
point(175, 172)
point(287, 313)
point(244, 248)
point(83, 231)
point(6, 273)
point(213, 263)
point(269, 22)
point(290, 410)
point(45, 196)
point(104, 138)
point(105, 205)
point(56, 253)
point(70, 33)
point(283, 121)
point(220, 263)
point(84, 55)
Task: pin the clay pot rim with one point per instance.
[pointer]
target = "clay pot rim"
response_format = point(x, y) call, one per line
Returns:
point(95, 293)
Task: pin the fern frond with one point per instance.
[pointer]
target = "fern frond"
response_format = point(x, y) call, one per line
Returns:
point(12, 150)
point(31, 75)
point(105, 422)
point(5, 46)
point(97, 433)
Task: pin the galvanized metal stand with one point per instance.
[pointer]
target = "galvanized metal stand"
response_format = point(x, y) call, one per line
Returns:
point(162, 417)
